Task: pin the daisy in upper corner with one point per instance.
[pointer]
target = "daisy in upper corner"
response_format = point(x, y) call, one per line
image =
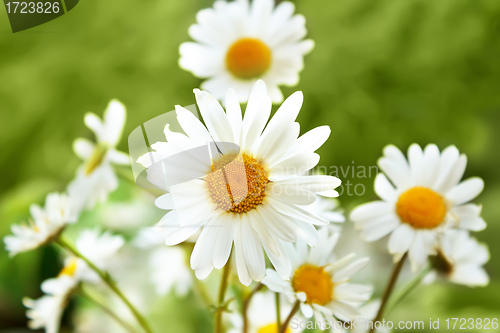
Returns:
point(320, 283)
point(46, 223)
point(239, 42)
point(239, 181)
point(423, 198)
point(96, 178)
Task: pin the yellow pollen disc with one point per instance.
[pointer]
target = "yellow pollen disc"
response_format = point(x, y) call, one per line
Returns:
point(315, 283)
point(248, 58)
point(272, 328)
point(69, 269)
point(237, 183)
point(421, 207)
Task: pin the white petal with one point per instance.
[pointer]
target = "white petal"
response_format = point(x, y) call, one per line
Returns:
point(224, 240)
point(370, 210)
point(83, 148)
point(384, 188)
point(114, 120)
point(346, 272)
point(401, 239)
point(395, 166)
point(214, 116)
point(95, 124)
point(465, 191)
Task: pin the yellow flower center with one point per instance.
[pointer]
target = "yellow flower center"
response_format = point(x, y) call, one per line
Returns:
point(95, 159)
point(272, 328)
point(237, 183)
point(70, 268)
point(315, 282)
point(248, 58)
point(421, 207)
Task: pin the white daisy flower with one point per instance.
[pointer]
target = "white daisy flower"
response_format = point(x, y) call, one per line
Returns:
point(45, 223)
point(47, 310)
point(425, 198)
point(261, 315)
point(240, 181)
point(239, 42)
point(460, 259)
point(95, 179)
point(320, 283)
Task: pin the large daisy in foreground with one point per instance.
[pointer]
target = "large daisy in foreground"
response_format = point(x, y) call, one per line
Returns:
point(423, 198)
point(239, 181)
point(239, 42)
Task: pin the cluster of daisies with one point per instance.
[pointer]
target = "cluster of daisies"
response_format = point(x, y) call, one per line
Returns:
point(241, 196)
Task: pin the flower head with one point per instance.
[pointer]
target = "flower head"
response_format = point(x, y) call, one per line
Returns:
point(45, 223)
point(240, 42)
point(95, 178)
point(460, 259)
point(239, 181)
point(320, 282)
point(423, 198)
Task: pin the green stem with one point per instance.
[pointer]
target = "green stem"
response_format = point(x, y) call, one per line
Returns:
point(222, 294)
point(278, 311)
point(406, 290)
point(107, 310)
point(388, 289)
point(289, 318)
point(109, 281)
point(246, 303)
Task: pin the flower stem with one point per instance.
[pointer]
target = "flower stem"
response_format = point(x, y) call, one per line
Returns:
point(278, 311)
point(108, 311)
point(408, 289)
point(290, 316)
point(389, 288)
point(109, 281)
point(246, 303)
point(222, 295)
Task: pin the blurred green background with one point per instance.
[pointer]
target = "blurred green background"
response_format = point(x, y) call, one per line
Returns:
point(385, 71)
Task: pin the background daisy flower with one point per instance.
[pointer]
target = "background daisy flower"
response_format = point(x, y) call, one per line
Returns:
point(95, 179)
point(320, 283)
point(460, 259)
point(239, 42)
point(47, 311)
point(423, 198)
point(45, 223)
point(239, 180)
